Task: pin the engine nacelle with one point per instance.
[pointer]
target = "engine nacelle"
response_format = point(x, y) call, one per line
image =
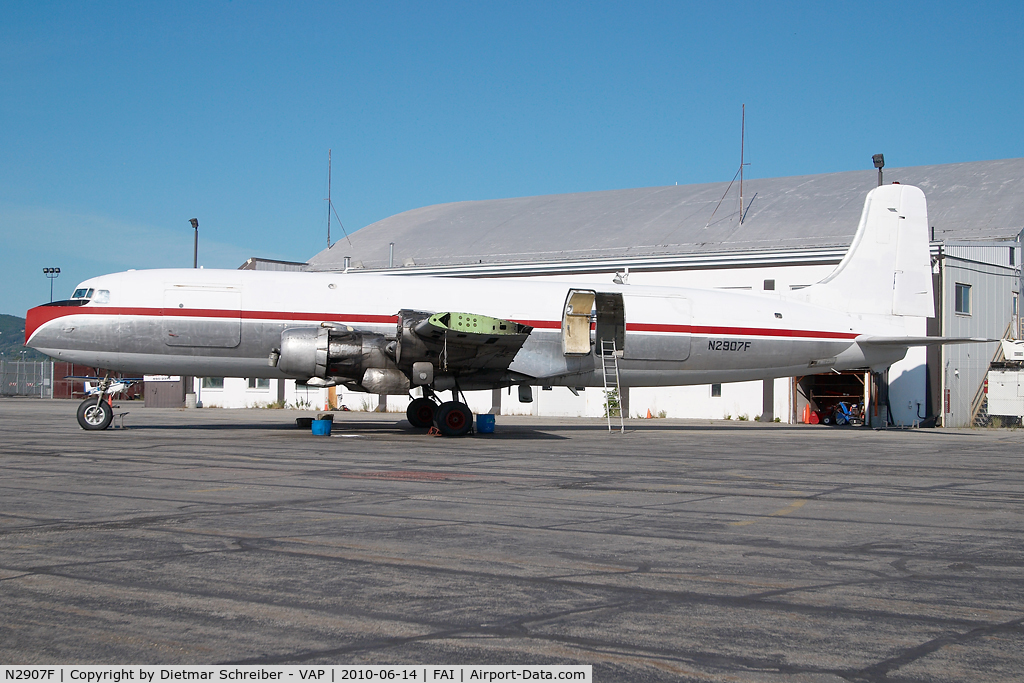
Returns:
point(342, 353)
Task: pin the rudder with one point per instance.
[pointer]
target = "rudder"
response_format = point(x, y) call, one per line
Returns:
point(887, 270)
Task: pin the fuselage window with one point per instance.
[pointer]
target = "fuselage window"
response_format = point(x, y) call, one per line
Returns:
point(82, 293)
point(102, 296)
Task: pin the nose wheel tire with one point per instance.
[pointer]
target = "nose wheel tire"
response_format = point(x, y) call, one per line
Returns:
point(94, 415)
point(420, 412)
point(453, 418)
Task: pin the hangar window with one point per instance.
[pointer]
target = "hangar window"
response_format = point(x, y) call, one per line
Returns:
point(213, 383)
point(259, 383)
point(962, 302)
point(716, 391)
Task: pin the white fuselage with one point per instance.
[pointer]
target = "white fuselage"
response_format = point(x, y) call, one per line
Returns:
point(227, 323)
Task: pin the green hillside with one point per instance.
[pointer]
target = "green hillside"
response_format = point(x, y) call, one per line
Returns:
point(12, 339)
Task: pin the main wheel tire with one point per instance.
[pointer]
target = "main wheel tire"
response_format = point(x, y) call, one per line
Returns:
point(420, 412)
point(95, 415)
point(827, 420)
point(453, 418)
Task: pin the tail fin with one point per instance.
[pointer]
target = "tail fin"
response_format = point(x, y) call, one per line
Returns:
point(887, 270)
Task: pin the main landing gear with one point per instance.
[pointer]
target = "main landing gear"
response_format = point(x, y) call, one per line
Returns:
point(421, 412)
point(451, 418)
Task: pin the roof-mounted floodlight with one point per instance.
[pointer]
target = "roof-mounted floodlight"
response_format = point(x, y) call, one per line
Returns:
point(879, 162)
point(195, 245)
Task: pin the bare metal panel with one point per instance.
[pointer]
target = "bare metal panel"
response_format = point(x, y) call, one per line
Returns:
point(221, 331)
point(657, 345)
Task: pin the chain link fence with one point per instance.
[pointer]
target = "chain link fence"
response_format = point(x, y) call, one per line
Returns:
point(26, 378)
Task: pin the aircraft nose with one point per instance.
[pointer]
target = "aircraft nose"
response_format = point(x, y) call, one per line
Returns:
point(39, 323)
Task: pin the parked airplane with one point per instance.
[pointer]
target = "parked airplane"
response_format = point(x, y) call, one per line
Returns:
point(385, 334)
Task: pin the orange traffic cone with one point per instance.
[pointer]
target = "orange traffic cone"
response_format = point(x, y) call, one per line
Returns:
point(649, 416)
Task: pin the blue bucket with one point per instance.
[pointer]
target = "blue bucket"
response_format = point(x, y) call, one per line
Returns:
point(322, 427)
point(485, 423)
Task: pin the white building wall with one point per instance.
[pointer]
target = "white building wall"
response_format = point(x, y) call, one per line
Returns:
point(236, 393)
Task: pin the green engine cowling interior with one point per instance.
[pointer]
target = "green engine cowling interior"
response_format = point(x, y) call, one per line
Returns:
point(477, 324)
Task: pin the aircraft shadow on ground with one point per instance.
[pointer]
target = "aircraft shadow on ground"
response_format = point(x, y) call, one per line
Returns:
point(353, 429)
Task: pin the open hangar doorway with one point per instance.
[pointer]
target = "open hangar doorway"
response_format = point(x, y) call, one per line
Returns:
point(817, 398)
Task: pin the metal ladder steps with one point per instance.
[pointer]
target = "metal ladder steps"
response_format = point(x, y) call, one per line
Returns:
point(610, 375)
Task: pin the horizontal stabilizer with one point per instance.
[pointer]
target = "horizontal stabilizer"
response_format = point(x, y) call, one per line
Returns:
point(866, 340)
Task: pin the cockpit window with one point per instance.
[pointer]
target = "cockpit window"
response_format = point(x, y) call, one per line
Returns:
point(102, 296)
point(82, 293)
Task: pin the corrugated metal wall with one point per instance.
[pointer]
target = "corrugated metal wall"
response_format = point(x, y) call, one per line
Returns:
point(993, 282)
point(997, 254)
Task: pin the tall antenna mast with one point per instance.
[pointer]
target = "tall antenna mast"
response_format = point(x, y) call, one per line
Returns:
point(329, 205)
point(743, 133)
point(739, 172)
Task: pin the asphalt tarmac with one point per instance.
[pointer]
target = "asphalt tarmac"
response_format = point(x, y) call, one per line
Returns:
point(681, 550)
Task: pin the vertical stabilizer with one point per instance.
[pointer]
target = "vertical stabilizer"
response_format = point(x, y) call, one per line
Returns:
point(887, 270)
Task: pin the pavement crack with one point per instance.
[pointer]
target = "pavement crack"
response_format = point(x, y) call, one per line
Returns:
point(881, 670)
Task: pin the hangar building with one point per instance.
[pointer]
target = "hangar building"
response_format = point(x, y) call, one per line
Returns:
point(794, 232)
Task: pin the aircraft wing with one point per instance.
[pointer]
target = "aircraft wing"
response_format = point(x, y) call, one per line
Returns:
point(462, 341)
point(868, 340)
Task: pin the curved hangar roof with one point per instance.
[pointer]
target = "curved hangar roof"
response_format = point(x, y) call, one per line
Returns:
point(968, 201)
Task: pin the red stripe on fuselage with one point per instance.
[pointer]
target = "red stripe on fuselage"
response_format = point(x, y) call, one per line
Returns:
point(40, 315)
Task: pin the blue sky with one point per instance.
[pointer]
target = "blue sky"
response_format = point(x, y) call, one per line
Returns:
point(120, 121)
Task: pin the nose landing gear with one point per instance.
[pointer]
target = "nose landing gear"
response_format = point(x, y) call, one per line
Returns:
point(95, 413)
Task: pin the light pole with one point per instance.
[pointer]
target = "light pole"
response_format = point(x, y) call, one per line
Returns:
point(51, 274)
point(195, 245)
point(195, 264)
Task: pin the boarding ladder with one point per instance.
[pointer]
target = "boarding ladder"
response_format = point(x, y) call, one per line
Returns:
point(610, 374)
